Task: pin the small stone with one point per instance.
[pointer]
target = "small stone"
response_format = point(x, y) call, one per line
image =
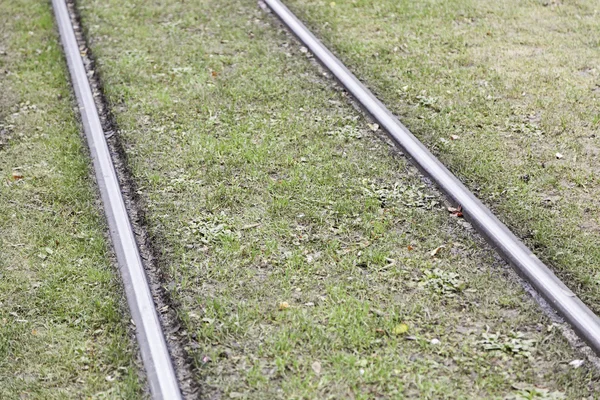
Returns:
point(316, 366)
point(576, 363)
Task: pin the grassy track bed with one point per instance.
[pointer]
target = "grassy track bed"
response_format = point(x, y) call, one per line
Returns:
point(308, 260)
point(63, 333)
point(506, 94)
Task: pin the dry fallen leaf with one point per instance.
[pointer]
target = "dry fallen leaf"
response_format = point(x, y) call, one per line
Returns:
point(454, 137)
point(284, 305)
point(435, 251)
point(400, 329)
point(457, 212)
point(250, 226)
point(374, 127)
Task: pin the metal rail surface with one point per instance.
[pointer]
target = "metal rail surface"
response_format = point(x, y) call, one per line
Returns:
point(155, 355)
point(563, 300)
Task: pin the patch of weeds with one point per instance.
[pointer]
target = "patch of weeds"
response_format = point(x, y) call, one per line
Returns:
point(7, 126)
point(526, 128)
point(177, 182)
point(5, 133)
point(528, 392)
point(442, 282)
point(347, 132)
point(208, 229)
point(413, 196)
point(426, 101)
point(514, 344)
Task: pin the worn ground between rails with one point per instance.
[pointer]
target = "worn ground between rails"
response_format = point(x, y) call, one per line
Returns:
point(64, 330)
point(308, 260)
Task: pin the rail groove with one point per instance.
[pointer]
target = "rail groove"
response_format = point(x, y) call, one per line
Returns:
point(153, 348)
point(584, 322)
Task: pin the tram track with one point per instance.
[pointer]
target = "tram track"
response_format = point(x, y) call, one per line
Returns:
point(154, 349)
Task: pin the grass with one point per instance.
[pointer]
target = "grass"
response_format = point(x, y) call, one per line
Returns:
point(308, 259)
point(63, 331)
point(518, 82)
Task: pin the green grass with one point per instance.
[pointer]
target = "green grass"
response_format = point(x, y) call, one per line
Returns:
point(518, 82)
point(63, 331)
point(301, 249)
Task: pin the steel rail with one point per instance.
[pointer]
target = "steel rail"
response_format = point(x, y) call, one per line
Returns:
point(543, 280)
point(155, 355)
